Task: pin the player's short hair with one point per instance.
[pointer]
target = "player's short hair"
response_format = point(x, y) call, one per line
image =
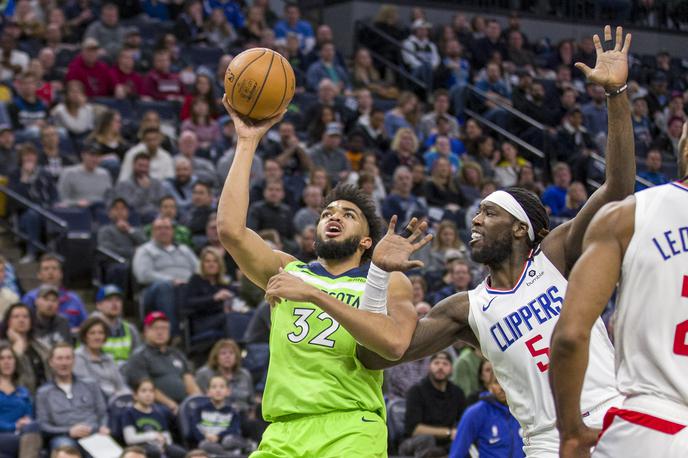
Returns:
point(534, 209)
point(364, 203)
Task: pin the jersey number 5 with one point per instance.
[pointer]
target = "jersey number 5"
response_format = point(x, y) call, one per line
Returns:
point(680, 345)
point(538, 352)
point(301, 322)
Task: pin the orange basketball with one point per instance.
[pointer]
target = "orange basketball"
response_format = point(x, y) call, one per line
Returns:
point(259, 83)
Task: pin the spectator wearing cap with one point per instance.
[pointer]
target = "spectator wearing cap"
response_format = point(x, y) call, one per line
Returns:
point(126, 80)
point(460, 275)
point(69, 408)
point(329, 154)
point(164, 365)
point(440, 109)
point(84, 185)
point(327, 67)
point(93, 363)
point(108, 29)
point(122, 336)
point(401, 201)
point(161, 163)
point(50, 328)
point(161, 83)
point(595, 111)
point(27, 111)
point(8, 152)
point(433, 407)
point(71, 306)
point(554, 196)
point(292, 23)
point(653, 170)
point(93, 74)
point(483, 48)
point(160, 265)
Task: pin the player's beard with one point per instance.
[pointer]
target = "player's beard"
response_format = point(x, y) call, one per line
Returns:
point(336, 250)
point(493, 253)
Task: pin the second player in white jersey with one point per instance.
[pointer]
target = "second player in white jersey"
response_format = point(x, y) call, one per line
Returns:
point(514, 328)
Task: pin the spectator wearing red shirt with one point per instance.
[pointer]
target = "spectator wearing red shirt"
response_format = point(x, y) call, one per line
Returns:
point(126, 81)
point(161, 83)
point(94, 74)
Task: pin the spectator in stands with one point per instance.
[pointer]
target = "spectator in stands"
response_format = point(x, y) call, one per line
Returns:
point(294, 24)
point(50, 328)
point(107, 139)
point(84, 185)
point(196, 218)
point(484, 48)
point(576, 196)
point(420, 53)
point(529, 97)
point(216, 425)
point(489, 426)
point(93, 363)
point(288, 151)
point(668, 141)
point(572, 137)
point(442, 192)
point(309, 214)
point(458, 74)
point(93, 74)
point(328, 93)
point(32, 355)
point(554, 196)
point(401, 378)
point(108, 30)
point(316, 127)
point(126, 80)
point(7, 295)
point(224, 361)
point(160, 265)
point(496, 87)
point(472, 373)
point(329, 154)
point(507, 170)
point(19, 433)
point(168, 209)
point(327, 67)
point(400, 201)
point(218, 32)
point(446, 238)
point(201, 123)
point(145, 424)
point(518, 54)
point(368, 166)
point(658, 93)
point(166, 366)
point(161, 164)
point(433, 407)
point(13, 61)
point(562, 56)
point(428, 122)
point(373, 127)
point(272, 212)
point(365, 75)
point(71, 306)
point(405, 114)
point(306, 245)
point(69, 408)
point(52, 159)
point(189, 25)
point(122, 336)
point(181, 185)
point(8, 153)
point(203, 88)
point(595, 112)
point(162, 83)
point(441, 149)
point(75, 114)
point(652, 172)
point(460, 282)
point(403, 152)
point(208, 295)
point(27, 111)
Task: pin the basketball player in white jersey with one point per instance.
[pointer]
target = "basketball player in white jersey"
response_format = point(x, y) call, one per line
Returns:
point(641, 243)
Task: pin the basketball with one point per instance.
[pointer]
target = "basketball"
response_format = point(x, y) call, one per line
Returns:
point(259, 83)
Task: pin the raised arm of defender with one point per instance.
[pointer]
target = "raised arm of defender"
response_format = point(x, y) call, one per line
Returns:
point(564, 245)
point(256, 259)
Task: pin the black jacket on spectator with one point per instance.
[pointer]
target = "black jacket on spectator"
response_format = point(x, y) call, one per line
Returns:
point(264, 215)
point(430, 406)
point(483, 49)
point(198, 219)
point(439, 197)
point(199, 296)
point(50, 331)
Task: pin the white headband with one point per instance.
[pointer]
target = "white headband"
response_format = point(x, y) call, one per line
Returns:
point(508, 203)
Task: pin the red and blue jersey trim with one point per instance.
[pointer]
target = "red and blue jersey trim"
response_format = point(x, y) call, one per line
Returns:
point(521, 278)
point(679, 185)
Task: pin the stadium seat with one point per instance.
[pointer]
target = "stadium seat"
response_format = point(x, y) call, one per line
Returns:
point(64, 57)
point(124, 106)
point(168, 110)
point(236, 324)
point(186, 409)
point(202, 56)
point(117, 405)
point(396, 411)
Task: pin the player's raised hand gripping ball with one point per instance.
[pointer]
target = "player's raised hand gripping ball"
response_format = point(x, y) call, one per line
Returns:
point(259, 83)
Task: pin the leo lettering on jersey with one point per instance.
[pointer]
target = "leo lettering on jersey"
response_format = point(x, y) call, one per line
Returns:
point(512, 327)
point(672, 242)
point(348, 299)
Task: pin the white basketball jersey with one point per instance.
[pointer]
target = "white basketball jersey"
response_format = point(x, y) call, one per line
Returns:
point(651, 326)
point(515, 327)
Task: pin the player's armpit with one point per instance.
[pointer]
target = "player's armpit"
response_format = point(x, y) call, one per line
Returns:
point(446, 323)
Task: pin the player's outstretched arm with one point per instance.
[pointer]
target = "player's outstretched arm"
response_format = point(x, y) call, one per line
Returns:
point(256, 259)
point(564, 245)
point(591, 284)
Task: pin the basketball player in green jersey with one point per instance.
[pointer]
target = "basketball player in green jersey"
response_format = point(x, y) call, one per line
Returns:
point(319, 399)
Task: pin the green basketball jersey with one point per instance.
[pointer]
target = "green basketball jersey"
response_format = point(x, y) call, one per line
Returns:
point(313, 364)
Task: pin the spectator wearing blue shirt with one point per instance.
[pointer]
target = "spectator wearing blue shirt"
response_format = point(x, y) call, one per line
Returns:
point(595, 111)
point(554, 196)
point(294, 24)
point(400, 201)
point(495, 86)
point(489, 426)
point(652, 172)
point(231, 8)
point(19, 433)
point(441, 148)
point(404, 114)
point(71, 305)
point(327, 67)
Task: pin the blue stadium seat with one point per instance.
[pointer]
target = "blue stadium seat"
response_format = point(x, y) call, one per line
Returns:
point(168, 110)
point(186, 409)
point(236, 324)
point(124, 106)
point(202, 56)
point(79, 220)
point(117, 405)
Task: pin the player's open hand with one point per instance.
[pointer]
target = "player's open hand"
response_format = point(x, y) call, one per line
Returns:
point(248, 128)
point(611, 67)
point(393, 251)
point(287, 286)
point(579, 446)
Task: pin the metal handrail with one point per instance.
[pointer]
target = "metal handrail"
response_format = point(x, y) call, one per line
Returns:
point(397, 68)
point(596, 157)
point(539, 153)
point(110, 254)
point(37, 208)
point(519, 114)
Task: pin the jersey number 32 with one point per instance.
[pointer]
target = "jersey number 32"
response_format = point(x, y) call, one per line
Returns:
point(304, 328)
